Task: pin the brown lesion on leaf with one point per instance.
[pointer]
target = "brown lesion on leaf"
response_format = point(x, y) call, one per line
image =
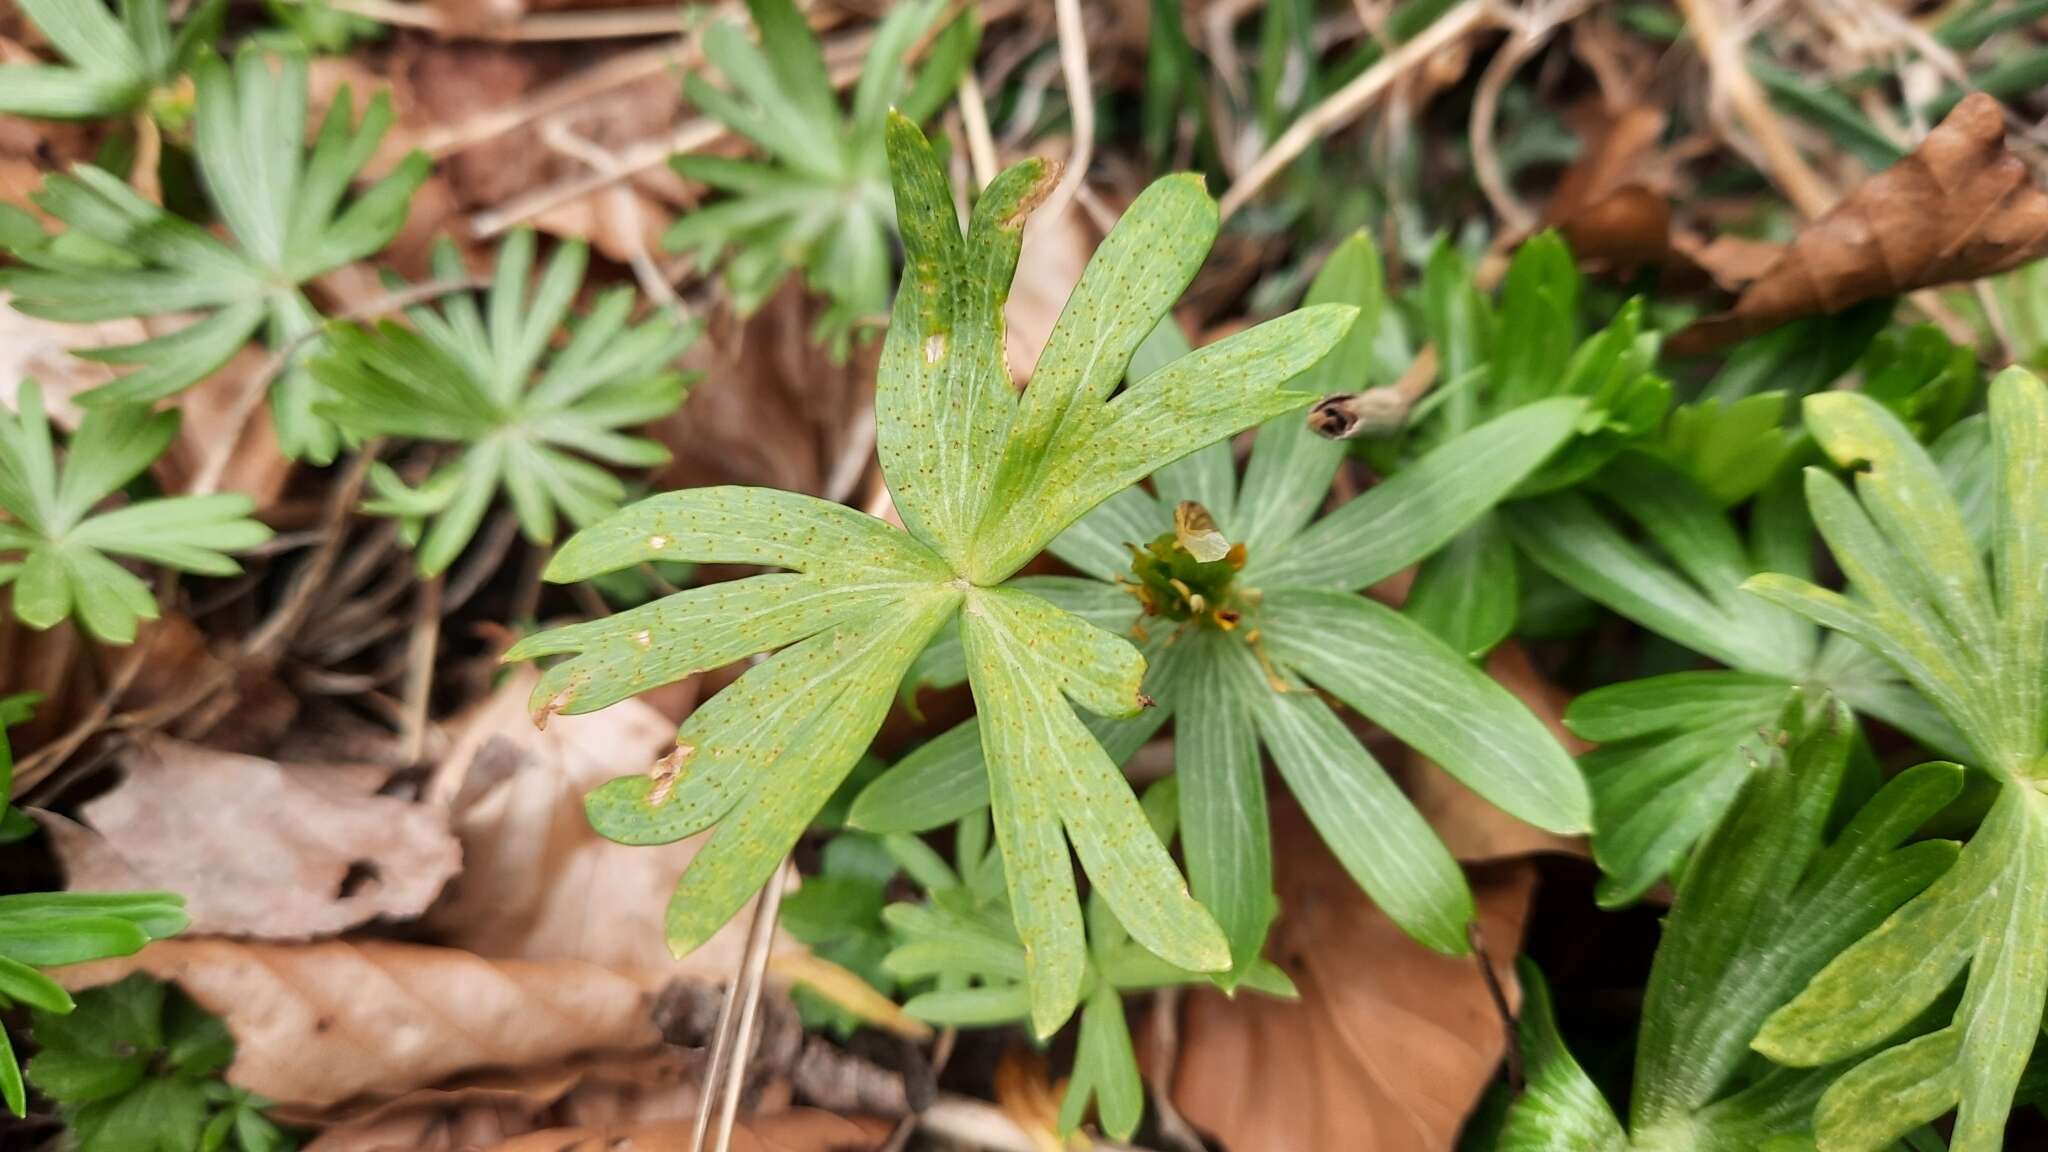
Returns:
point(1033, 196)
point(553, 707)
point(666, 771)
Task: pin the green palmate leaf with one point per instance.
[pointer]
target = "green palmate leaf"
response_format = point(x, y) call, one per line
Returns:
point(529, 417)
point(1492, 364)
point(55, 546)
point(962, 944)
point(115, 62)
point(1675, 749)
point(137, 1069)
point(818, 201)
point(1022, 653)
point(288, 217)
point(1767, 901)
point(1975, 642)
point(1974, 639)
point(1231, 639)
point(862, 601)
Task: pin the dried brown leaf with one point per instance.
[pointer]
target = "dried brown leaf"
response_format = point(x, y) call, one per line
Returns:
point(1733, 262)
point(484, 1109)
point(259, 849)
point(1960, 207)
point(537, 882)
point(41, 350)
point(318, 1024)
point(770, 407)
point(213, 411)
point(1390, 1044)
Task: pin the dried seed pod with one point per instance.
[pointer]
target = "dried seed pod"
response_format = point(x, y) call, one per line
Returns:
point(1348, 415)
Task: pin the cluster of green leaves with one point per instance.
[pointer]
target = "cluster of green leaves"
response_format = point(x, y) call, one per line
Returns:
point(137, 1068)
point(819, 200)
point(1770, 897)
point(55, 547)
point(983, 480)
point(961, 943)
point(1235, 672)
point(837, 914)
point(288, 217)
point(954, 957)
point(1636, 515)
point(46, 929)
point(1970, 631)
point(1648, 543)
point(117, 63)
point(1495, 362)
point(525, 414)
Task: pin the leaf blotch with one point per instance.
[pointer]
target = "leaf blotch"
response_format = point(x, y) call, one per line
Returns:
point(666, 771)
point(1048, 179)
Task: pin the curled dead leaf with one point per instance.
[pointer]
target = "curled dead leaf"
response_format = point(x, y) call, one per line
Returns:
point(1960, 207)
point(1390, 1044)
point(318, 1024)
point(257, 848)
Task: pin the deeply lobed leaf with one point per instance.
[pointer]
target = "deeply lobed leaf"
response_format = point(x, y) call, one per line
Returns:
point(286, 209)
point(529, 418)
point(55, 549)
point(818, 202)
point(1768, 899)
point(1971, 639)
point(1231, 691)
point(114, 61)
point(759, 759)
